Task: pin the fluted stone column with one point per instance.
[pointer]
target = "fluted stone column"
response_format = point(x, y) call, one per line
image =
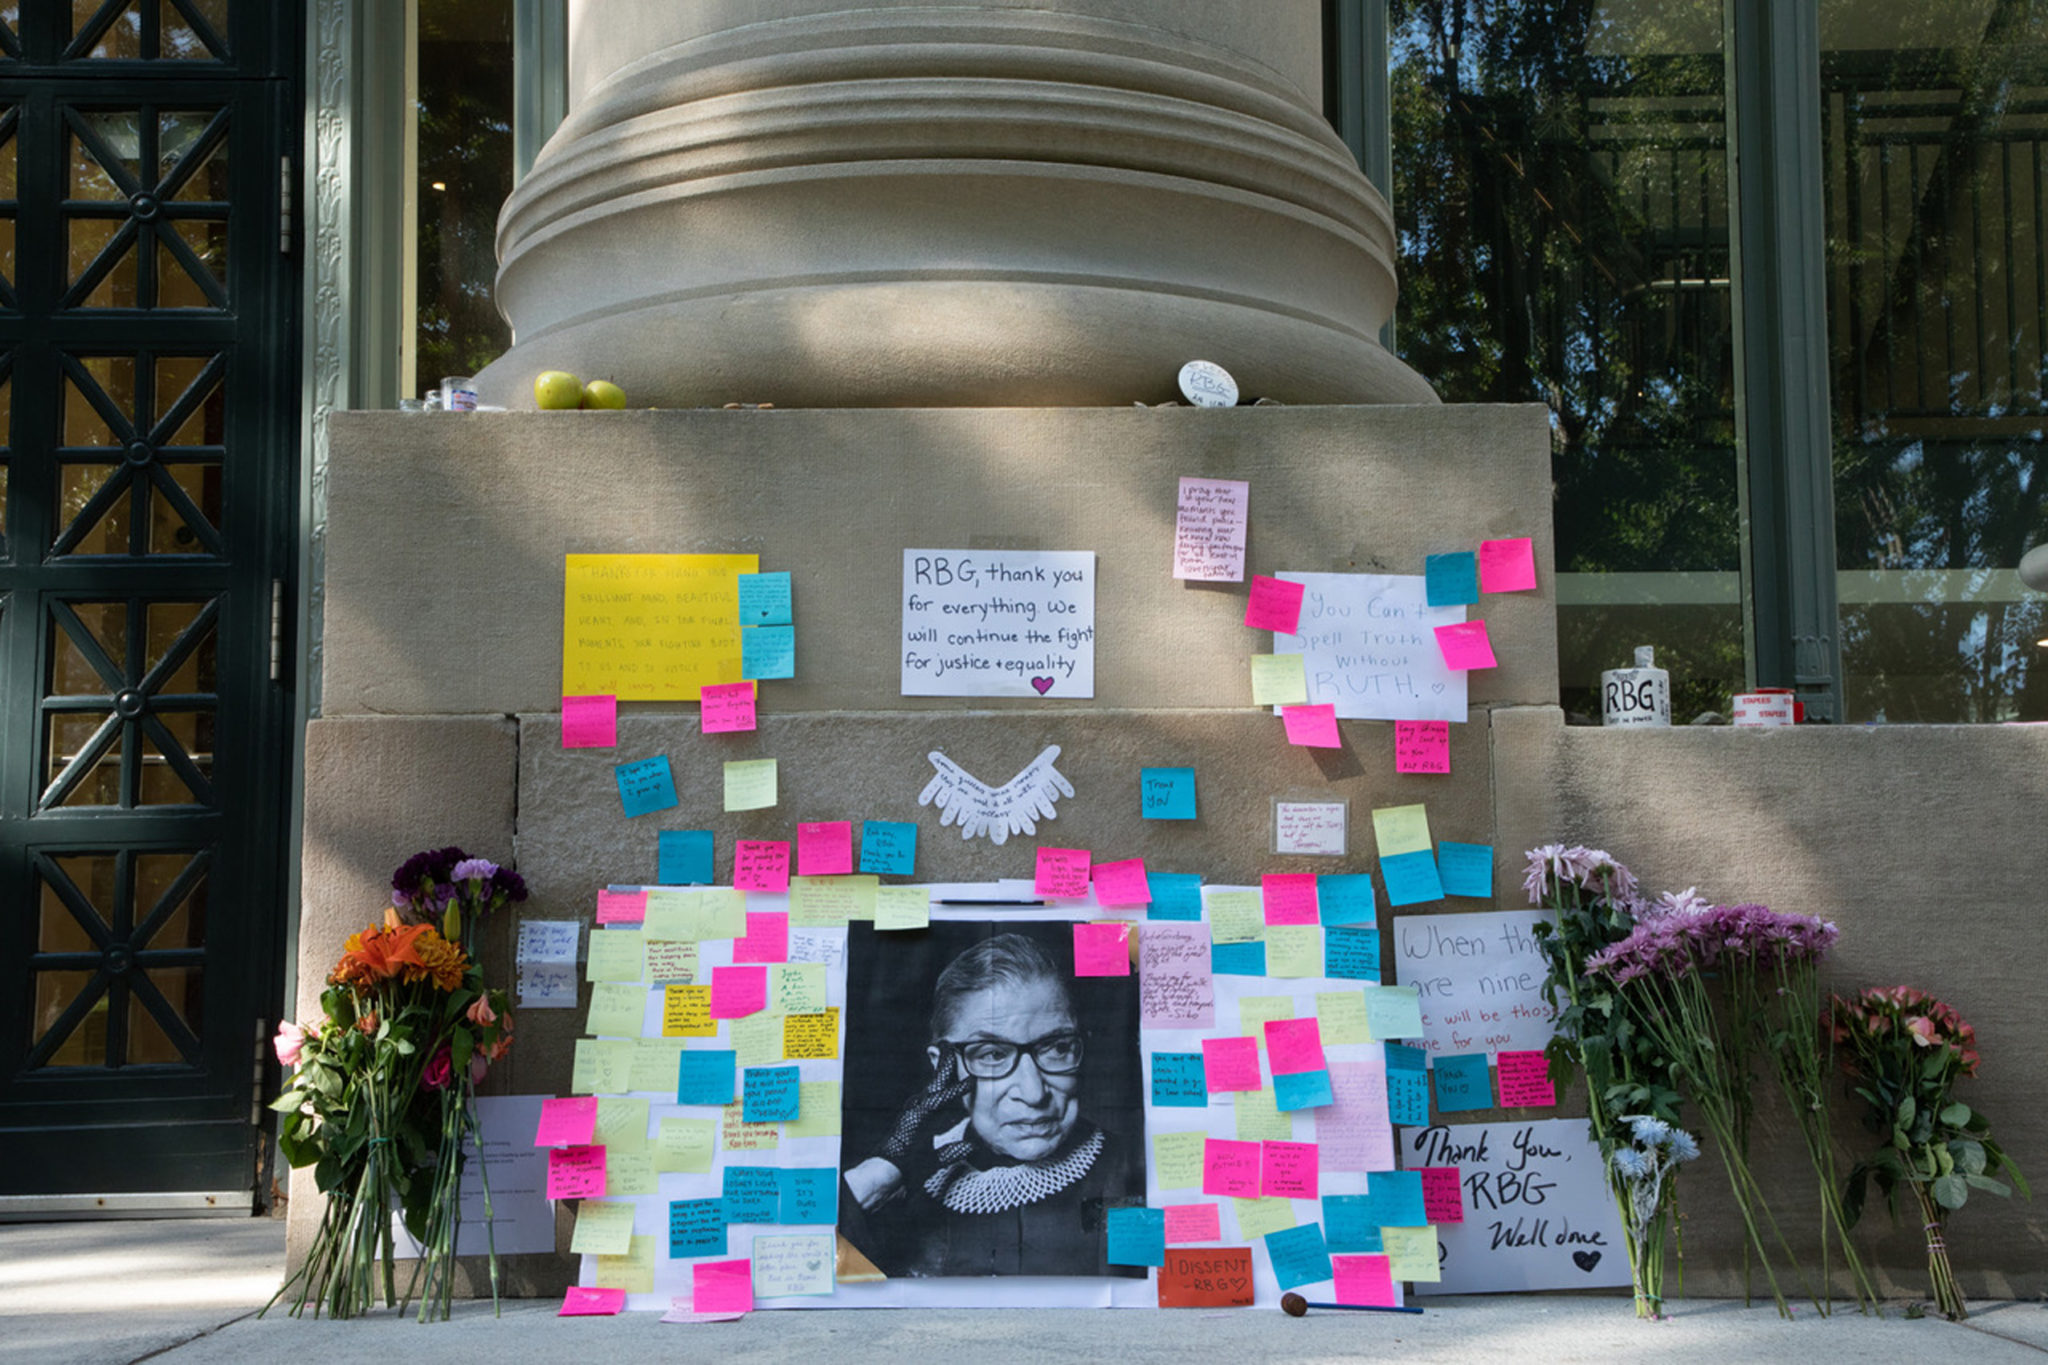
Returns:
point(902, 204)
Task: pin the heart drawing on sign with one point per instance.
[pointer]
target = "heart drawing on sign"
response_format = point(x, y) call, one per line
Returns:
point(1586, 1260)
point(1044, 685)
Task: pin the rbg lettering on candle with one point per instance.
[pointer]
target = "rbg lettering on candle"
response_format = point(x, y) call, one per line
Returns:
point(998, 623)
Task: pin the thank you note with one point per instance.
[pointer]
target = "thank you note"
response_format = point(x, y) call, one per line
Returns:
point(998, 623)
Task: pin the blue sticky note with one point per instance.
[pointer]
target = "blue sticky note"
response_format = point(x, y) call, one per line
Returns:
point(1166, 793)
point(1348, 1224)
point(1467, 869)
point(1137, 1237)
point(1407, 1085)
point(696, 1227)
point(685, 857)
point(769, 1094)
point(1179, 1081)
point(753, 1194)
point(764, 599)
point(1411, 877)
point(1463, 1082)
point(1346, 898)
point(1393, 1199)
point(810, 1194)
point(1451, 580)
point(1303, 1090)
point(1175, 895)
point(705, 1077)
point(1351, 954)
point(646, 785)
point(768, 652)
point(888, 847)
point(1298, 1254)
point(1238, 959)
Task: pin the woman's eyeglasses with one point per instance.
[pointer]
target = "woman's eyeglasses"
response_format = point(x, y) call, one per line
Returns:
point(987, 1059)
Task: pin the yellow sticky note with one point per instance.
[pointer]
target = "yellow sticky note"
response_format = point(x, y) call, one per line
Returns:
point(829, 902)
point(1257, 1217)
point(616, 1009)
point(1401, 829)
point(1236, 917)
point(621, 1127)
point(818, 1107)
point(1177, 1160)
point(654, 1065)
point(1411, 1253)
point(811, 1037)
point(1259, 1118)
point(1294, 950)
point(651, 627)
point(750, 784)
point(603, 1229)
point(756, 1040)
point(685, 1145)
point(902, 907)
point(617, 955)
point(686, 1012)
point(714, 912)
point(1279, 680)
point(634, 1271)
point(603, 1066)
point(671, 960)
point(1341, 1016)
point(797, 988)
point(628, 1173)
point(735, 1134)
point(1254, 1010)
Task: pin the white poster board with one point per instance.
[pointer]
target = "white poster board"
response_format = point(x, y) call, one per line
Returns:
point(522, 1219)
point(1369, 647)
point(998, 623)
point(1479, 977)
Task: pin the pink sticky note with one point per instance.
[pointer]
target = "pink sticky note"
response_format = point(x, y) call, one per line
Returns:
point(576, 1173)
point(1506, 565)
point(579, 1302)
point(1287, 1170)
point(621, 907)
point(1312, 727)
point(566, 1122)
point(1294, 1046)
point(1365, 1280)
point(766, 939)
point(737, 992)
point(1121, 883)
point(1355, 1133)
point(1289, 897)
point(725, 707)
point(590, 722)
point(1465, 645)
point(1187, 1223)
point(824, 849)
point(1525, 1079)
point(1230, 1168)
point(1102, 950)
point(1422, 746)
point(1443, 1201)
point(1275, 605)
point(1230, 1063)
point(760, 865)
point(722, 1286)
point(1062, 872)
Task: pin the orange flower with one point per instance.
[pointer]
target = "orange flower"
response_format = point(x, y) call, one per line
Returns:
point(376, 955)
point(437, 959)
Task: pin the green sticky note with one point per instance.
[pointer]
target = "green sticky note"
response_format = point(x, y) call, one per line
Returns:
point(1259, 1118)
point(621, 1126)
point(1411, 1253)
point(617, 955)
point(1254, 1011)
point(1393, 1012)
point(1342, 1017)
point(1294, 950)
point(714, 912)
point(634, 1271)
point(1236, 917)
point(1257, 1217)
point(603, 1229)
point(671, 959)
point(750, 784)
point(1279, 680)
point(616, 1008)
point(685, 1145)
point(1177, 1160)
point(818, 1111)
point(654, 1065)
point(756, 1040)
point(603, 1066)
point(797, 988)
point(628, 1173)
point(830, 902)
point(902, 907)
point(1401, 829)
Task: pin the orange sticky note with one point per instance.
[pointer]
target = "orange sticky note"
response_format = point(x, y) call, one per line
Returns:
point(1218, 1277)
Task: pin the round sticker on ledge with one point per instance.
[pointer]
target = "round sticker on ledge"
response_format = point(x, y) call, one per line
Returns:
point(1207, 385)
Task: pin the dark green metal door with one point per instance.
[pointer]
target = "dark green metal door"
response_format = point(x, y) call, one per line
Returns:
point(148, 404)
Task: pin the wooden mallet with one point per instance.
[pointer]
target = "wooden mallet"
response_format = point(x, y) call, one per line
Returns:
point(1294, 1306)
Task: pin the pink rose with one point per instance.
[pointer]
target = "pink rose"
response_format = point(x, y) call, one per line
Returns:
point(290, 1042)
point(439, 1071)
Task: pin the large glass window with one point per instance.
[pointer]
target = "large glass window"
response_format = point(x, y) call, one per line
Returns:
point(465, 104)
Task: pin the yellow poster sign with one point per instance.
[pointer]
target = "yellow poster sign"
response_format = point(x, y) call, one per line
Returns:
point(651, 627)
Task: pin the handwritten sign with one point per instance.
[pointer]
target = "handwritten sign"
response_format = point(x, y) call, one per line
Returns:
point(1206, 1278)
point(998, 623)
point(1478, 978)
point(1209, 530)
point(1422, 746)
point(1312, 827)
point(1175, 989)
point(651, 627)
point(1368, 647)
point(1538, 1213)
point(545, 963)
point(790, 1264)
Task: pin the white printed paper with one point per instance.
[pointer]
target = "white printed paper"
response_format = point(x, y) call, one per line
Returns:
point(522, 1220)
point(998, 623)
point(1369, 647)
point(1479, 977)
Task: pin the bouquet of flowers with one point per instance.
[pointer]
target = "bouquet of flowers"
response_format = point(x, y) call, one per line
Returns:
point(1904, 1051)
point(1653, 1151)
point(382, 1097)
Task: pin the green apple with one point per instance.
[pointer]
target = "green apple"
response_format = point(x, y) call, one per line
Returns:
point(602, 393)
point(556, 389)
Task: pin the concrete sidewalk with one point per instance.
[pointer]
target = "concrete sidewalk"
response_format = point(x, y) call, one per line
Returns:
point(188, 1291)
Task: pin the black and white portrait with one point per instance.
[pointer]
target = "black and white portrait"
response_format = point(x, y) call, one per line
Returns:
point(993, 1106)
